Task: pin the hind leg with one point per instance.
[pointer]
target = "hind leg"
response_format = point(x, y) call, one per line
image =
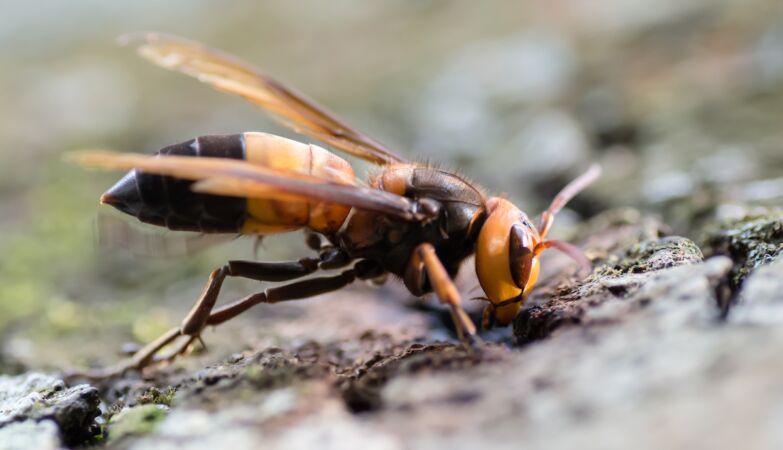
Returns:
point(201, 315)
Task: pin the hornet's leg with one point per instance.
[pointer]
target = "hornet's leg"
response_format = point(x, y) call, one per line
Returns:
point(425, 260)
point(196, 319)
point(294, 291)
point(201, 314)
point(363, 270)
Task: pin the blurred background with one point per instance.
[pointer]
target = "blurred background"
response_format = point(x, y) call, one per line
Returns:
point(680, 101)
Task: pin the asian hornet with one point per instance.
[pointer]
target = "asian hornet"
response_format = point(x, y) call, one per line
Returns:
point(412, 220)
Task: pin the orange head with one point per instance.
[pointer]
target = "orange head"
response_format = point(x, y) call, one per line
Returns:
point(508, 247)
point(506, 260)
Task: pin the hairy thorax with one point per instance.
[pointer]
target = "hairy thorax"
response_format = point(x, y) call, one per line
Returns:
point(453, 231)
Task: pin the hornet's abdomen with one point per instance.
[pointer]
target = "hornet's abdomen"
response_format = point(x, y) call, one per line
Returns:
point(170, 202)
point(285, 155)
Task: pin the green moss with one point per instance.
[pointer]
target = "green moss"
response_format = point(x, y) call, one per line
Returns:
point(154, 396)
point(135, 421)
point(750, 241)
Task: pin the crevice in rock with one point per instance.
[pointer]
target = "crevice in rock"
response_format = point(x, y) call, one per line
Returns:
point(361, 386)
point(751, 242)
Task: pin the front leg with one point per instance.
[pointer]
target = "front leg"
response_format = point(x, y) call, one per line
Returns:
point(424, 261)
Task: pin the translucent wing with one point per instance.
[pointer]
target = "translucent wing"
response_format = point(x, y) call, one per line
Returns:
point(231, 177)
point(229, 74)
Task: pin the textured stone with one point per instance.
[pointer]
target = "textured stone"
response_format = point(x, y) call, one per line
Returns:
point(38, 397)
point(750, 241)
point(603, 295)
point(30, 435)
point(761, 299)
point(669, 374)
point(135, 421)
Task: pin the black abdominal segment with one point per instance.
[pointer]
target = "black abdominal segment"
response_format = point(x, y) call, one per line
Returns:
point(169, 202)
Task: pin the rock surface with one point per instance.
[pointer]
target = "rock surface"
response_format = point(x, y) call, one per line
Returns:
point(36, 397)
point(750, 241)
point(30, 434)
point(656, 342)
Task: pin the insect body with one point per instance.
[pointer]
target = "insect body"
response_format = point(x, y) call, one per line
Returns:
point(408, 219)
point(170, 202)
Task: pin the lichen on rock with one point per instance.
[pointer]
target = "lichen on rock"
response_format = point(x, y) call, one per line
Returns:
point(657, 254)
point(750, 241)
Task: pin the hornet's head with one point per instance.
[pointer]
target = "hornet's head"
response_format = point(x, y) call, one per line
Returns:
point(506, 260)
point(508, 247)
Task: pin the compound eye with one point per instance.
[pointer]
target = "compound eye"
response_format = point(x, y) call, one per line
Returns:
point(520, 255)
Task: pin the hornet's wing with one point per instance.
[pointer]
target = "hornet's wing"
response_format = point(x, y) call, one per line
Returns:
point(238, 178)
point(229, 74)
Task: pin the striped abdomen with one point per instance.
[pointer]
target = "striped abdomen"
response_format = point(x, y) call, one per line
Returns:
point(170, 202)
